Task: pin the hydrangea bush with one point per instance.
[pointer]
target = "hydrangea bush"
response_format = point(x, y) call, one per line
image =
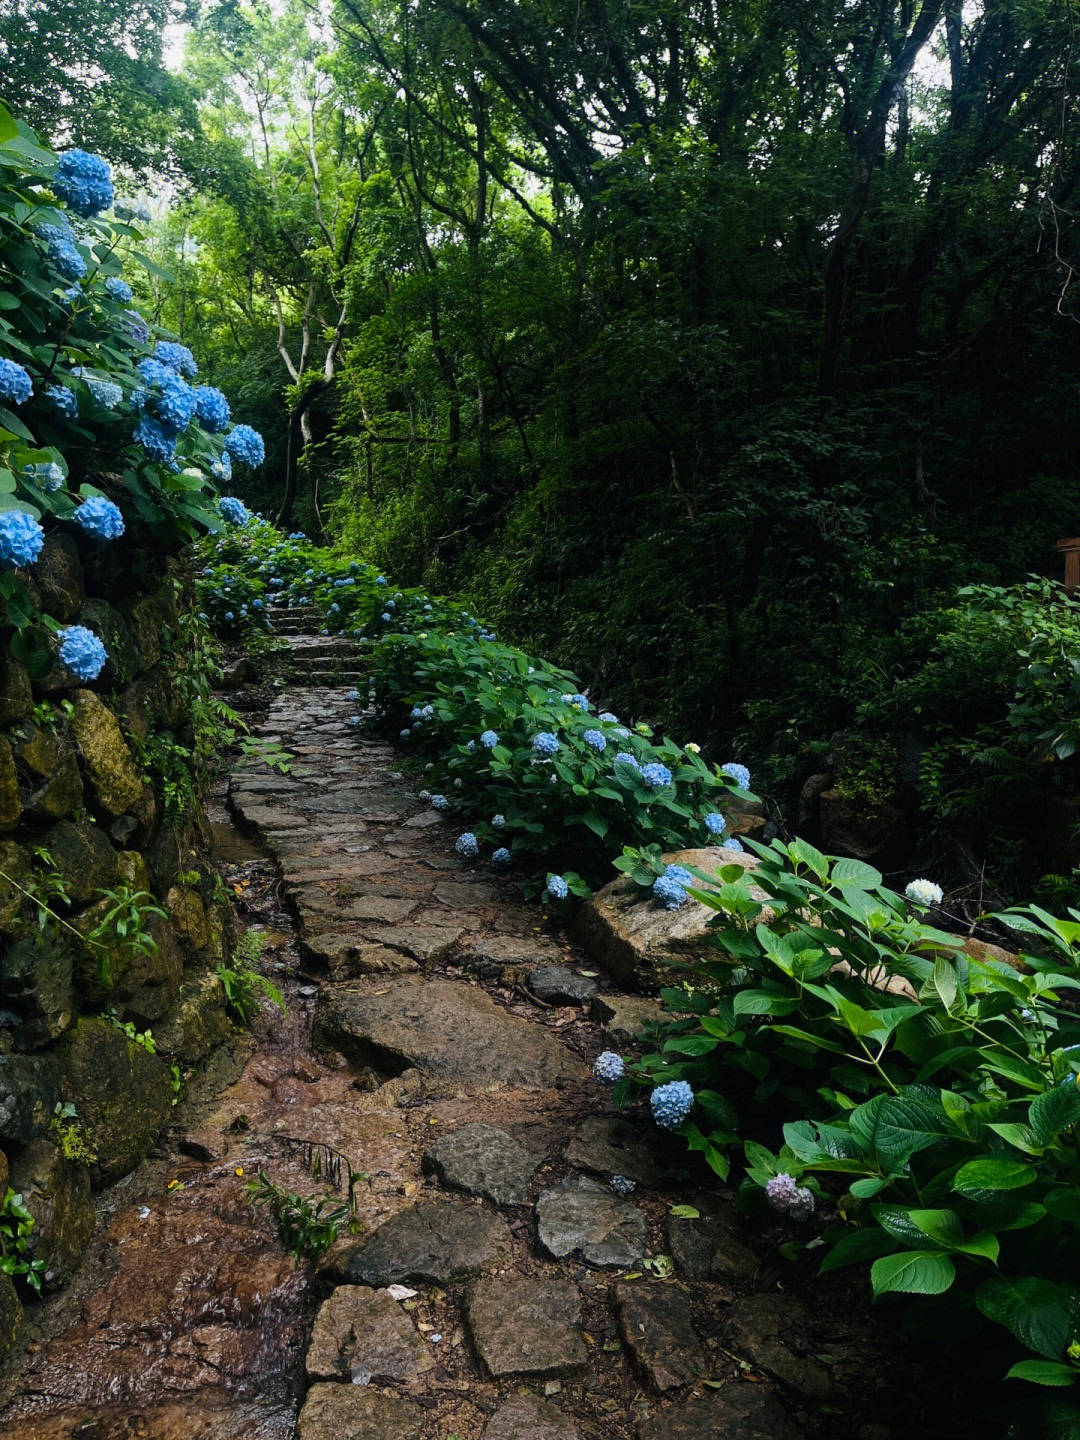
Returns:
point(99, 427)
point(864, 1070)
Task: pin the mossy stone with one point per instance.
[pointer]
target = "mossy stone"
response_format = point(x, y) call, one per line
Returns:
point(10, 799)
point(123, 1095)
point(14, 871)
point(16, 696)
point(110, 769)
point(82, 856)
point(56, 1191)
point(59, 575)
point(36, 971)
point(10, 1313)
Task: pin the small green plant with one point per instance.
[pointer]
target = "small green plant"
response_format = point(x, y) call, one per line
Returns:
point(142, 1038)
point(16, 1227)
point(122, 929)
point(45, 717)
point(270, 752)
point(309, 1226)
point(243, 984)
point(70, 1135)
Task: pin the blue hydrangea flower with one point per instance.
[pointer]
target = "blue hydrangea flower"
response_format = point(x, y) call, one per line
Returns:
point(739, 773)
point(245, 444)
point(100, 517)
point(63, 400)
point(177, 357)
point(221, 467)
point(49, 477)
point(176, 404)
point(621, 1185)
point(545, 744)
point(625, 758)
point(212, 409)
point(609, 1066)
point(458, 783)
point(234, 510)
point(21, 539)
point(498, 822)
point(386, 616)
point(440, 802)
point(668, 890)
point(404, 734)
point(118, 288)
point(155, 440)
point(715, 823)
point(82, 652)
point(84, 182)
point(256, 604)
point(70, 264)
point(427, 712)
point(679, 874)
point(381, 580)
point(15, 383)
point(501, 856)
point(734, 843)
point(671, 1104)
point(596, 740)
point(229, 615)
point(607, 716)
point(656, 775)
point(581, 701)
point(557, 887)
point(466, 845)
point(105, 393)
point(470, 748)
point(334, 608)
point(489, 739)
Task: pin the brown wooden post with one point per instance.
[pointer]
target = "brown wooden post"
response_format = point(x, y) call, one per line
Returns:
point(1071, 550)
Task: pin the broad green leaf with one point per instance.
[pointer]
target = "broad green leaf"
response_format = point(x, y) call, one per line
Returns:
point(995, 1172)
point(1038, 1312)
point(858, 1246)
point(1054, 1111)
point(918, 1273)
point(855, 874)
point(1043, 1372)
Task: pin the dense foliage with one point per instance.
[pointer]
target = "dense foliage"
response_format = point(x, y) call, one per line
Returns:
point(700, 346)
point(928, 1100)
point(99, 427)
point(507, 742)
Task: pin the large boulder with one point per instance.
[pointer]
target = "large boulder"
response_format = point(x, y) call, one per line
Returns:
point(124, 661)
point(36, 971)
point(59, 575)
point(122, 1092)
point(10, 1313)
point(145, 620)
point(29, 1090)
point(878, 834)
point(83, 858)
point(14, 872)
point(188, 915)
point(10, 799)
point(114, 780)
point(16, 696)
point(636, 941)
point(56, 1191)
point(142, 982)
point(52, 783)
point(196, 1024)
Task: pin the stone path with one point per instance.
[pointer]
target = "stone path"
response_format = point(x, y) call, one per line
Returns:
point(496, 1286)
point(504, 1290)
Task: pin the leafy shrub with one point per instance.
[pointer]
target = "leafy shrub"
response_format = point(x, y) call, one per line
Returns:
point(244, 986)
point(504, 734)
point(937, 1116)
point(98, 425)
point(16, 1227)
point(308, 1226)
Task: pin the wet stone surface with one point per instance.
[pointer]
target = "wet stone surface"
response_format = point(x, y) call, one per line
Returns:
point(437, 1240)
point(581, 1217)
point(481, 1160)
point(414, 1045)
point(525, 1326)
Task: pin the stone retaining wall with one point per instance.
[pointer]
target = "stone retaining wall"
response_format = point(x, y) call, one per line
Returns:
point(72, 784)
